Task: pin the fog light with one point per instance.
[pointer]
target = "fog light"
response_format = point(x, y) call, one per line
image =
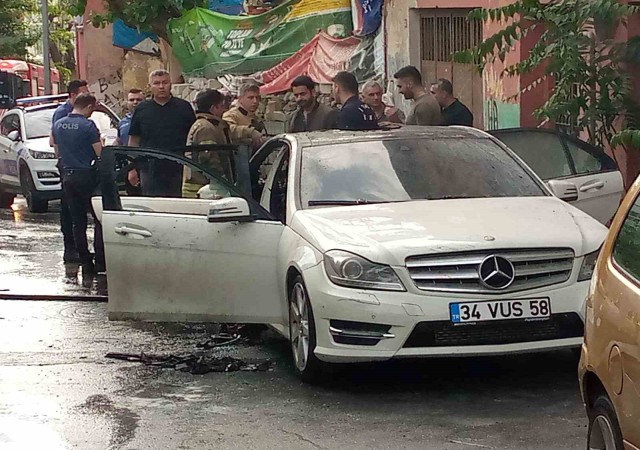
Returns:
point(48, 175)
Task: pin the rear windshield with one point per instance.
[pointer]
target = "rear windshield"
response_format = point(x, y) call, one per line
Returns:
point(411, 169)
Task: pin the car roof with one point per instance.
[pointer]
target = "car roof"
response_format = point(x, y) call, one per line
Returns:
point(39, 107)
point(28, 109)
point(317, 138)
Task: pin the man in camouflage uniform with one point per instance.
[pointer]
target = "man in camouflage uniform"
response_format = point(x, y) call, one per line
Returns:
point(210, 128)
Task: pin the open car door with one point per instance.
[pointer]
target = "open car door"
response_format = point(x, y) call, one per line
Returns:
point(188, 259)
point(588, 170)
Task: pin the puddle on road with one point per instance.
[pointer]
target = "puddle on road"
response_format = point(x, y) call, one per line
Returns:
point(21, 434)
point(122, 421)
point(31, 257)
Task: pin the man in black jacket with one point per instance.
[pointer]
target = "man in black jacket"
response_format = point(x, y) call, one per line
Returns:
point(310, 115)
point(454, 112)
point(355, 114)
point(162, 122)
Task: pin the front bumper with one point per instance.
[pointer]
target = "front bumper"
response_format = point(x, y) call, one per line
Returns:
point(50, 187)
point(412, 316)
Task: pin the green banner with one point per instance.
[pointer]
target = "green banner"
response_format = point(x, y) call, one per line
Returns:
point(210, 44)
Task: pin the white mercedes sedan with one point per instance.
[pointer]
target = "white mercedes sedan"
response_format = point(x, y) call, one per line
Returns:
point(356, 246)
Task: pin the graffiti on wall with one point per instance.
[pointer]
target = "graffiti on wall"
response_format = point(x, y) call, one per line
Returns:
point(109, 91)
point(501, 109)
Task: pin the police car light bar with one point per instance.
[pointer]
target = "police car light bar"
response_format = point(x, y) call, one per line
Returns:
point(25, 101)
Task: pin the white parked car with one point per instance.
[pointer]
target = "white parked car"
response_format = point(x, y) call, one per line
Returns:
point(27, 162)
point(361, 246)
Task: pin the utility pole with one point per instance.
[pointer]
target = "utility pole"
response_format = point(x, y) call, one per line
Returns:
point(45, 47)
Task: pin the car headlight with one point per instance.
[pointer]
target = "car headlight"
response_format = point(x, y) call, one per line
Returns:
point(349, 270)
point(588, 266)
point(42, 155)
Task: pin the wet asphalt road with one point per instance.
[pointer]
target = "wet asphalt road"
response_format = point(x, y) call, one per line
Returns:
point(58, 391)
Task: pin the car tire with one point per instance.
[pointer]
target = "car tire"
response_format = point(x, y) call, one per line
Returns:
point(302, 335)
point(34, 203)
point(604, 429)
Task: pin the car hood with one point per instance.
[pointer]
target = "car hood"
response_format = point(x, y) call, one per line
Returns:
point(389, 233)
point(39, 144)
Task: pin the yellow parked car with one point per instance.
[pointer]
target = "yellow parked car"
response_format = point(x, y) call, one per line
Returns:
point(610, 360)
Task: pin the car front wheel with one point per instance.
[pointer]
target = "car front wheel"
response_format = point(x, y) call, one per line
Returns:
point(302, 334)
point(34, 202)
point(604, 430)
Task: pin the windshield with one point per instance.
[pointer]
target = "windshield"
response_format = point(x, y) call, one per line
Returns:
point(38, 123)
point(411, 169)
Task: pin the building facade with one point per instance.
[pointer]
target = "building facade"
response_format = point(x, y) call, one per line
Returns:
point(425, 33)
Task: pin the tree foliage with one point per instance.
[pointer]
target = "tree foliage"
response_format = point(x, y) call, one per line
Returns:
point(15, 33)
point(578, 51)
point(62, 37)
point(146, 15)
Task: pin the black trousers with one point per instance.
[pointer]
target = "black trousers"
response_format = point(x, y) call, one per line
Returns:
point(161, 178)
point(78, 186)
point(66, 225)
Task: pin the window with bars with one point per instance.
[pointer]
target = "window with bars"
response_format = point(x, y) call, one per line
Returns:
point(444, 34)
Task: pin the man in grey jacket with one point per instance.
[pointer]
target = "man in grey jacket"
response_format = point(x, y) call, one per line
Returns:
point(310, 115)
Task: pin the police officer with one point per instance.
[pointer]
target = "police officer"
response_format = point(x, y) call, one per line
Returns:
point(74, 88)
point(210, 128)
point(77, 143)
point(135, 96)
point(355, 114)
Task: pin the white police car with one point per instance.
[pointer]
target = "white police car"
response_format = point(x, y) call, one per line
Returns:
point(27, 161)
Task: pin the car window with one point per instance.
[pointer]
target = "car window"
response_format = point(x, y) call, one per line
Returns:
point(278, 197)
point(627, 246)
point(583, 161)
point(196, 183)
point(38, 123)
point(9, 123)
point(542, 151)
point(412, 169)
point(262, 163)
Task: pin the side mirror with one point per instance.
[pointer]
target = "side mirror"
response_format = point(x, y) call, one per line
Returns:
point(230, 209)
point(14, 135)
point(563, 190)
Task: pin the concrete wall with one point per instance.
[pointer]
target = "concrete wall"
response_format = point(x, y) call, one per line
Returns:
point(629, 159)
point(100, 63)
point(112, 71)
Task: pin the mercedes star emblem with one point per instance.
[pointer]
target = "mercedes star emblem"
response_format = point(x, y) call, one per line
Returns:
point(496, 272)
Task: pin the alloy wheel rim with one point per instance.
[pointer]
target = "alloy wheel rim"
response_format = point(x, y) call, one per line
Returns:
point(299, 325)
point(602, 437)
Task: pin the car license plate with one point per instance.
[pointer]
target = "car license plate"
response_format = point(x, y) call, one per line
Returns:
point(500, 310)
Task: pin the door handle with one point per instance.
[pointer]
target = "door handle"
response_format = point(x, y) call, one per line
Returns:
point(124, 230)
point(592, 186)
